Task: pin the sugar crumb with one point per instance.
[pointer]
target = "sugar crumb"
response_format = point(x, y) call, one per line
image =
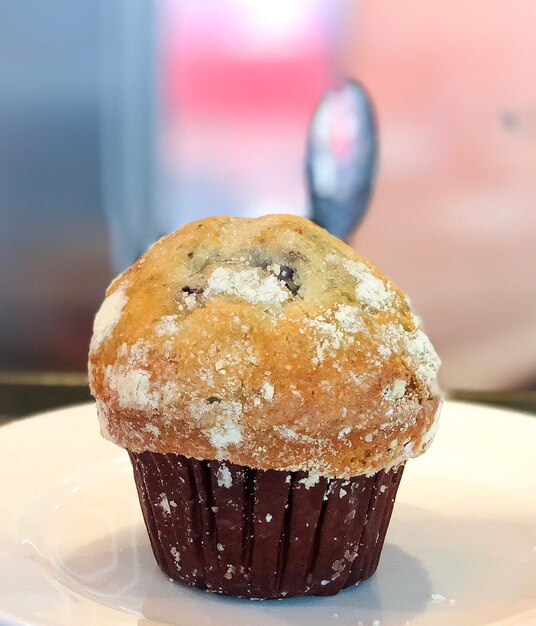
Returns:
point(224, 477)
point(164, 503)
point(267, 391)
point(152, 429)
point(167, 326)
point(189, 300)
point(343, 432)
point(247, 284)
point(395, 391)
point(310, 480)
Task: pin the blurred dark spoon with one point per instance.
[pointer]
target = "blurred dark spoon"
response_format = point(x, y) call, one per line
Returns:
point(341, 158)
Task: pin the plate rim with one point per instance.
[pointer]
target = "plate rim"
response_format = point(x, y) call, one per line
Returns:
point(19, 426)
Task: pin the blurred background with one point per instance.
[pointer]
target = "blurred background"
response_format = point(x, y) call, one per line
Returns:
point(122, 119)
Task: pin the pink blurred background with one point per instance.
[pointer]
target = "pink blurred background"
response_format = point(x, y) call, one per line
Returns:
point(453, 219)
point(120, 121)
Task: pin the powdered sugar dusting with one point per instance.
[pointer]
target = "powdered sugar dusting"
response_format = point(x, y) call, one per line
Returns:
point(220, 421)
point(415, 347)
point(328, 338)
point(248, 284)
point(107, 317)
point(227, 434)
point(133, 388)
point(335, 329)
point(350, 318)
point(167, 326)
point(427, 361)
point(371, 292)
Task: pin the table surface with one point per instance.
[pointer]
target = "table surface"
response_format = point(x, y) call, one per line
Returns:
point(26, 393)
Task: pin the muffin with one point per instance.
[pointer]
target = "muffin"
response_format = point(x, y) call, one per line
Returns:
point(269, 386)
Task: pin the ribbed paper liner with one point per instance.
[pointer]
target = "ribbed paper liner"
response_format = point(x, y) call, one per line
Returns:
point(262, 534)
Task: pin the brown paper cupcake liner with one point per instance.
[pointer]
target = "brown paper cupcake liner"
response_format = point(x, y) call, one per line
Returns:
point(262, 534)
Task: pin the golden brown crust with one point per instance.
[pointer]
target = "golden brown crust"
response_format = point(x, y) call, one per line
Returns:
point(266, 342)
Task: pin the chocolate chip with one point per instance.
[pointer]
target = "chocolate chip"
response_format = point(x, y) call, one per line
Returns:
point(213, 399)
point(190, 255)
point(260, 257)
point(286, 275)
point(188, 289)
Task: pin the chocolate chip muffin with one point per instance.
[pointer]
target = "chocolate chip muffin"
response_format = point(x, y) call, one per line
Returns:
point(269, 386)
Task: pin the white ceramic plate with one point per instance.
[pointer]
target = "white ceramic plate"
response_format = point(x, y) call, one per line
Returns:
point(461, 548)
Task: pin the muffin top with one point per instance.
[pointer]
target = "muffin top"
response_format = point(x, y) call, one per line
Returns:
point(266, 342)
